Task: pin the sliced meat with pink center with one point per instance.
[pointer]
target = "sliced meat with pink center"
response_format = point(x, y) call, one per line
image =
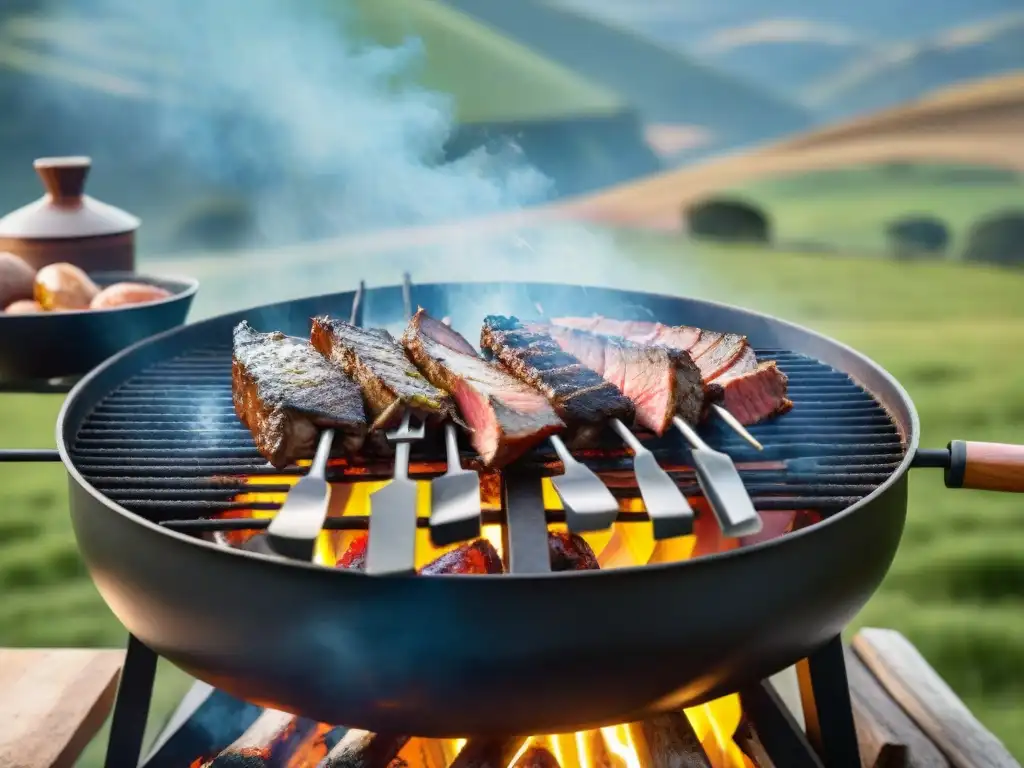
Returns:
point(660, 381)
point(506, 416)
point(756, 395)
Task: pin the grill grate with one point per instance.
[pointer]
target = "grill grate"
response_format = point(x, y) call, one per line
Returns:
point(168, 446)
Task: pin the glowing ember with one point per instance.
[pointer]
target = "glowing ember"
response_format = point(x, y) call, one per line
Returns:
point(712, 726)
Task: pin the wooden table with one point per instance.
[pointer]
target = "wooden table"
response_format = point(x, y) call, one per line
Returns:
point(52, 702)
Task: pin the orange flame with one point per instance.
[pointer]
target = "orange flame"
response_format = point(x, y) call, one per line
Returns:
point(623, 545)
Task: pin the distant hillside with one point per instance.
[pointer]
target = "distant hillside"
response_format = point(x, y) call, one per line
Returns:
point(687, 23)
point(664, 86)
point(895, 74)
point(788, 46)
point(111, 86)
point(785, 55)
point(977, 125)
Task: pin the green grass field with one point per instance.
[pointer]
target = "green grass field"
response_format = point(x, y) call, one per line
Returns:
point(849, 209)
point(957, 585)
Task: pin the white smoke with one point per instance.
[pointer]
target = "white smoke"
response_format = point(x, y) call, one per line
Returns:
point(316, 122)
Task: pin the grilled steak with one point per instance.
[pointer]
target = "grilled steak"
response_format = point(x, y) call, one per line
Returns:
point(286, 392)
point(581, 397)
point(506, 416)
point(661, 382)
point(713, 352)
point(750, 391)
point(754, 392)
point(390, 382)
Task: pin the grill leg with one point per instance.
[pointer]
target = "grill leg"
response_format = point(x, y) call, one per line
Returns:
point(778, 730)
point(131, 709)
point(825, 693)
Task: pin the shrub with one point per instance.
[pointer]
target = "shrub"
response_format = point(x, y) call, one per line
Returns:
point(997, 239)
point(917, 236)
point(729, 220)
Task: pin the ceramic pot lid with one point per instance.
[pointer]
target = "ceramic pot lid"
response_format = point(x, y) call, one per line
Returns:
point(65, 211)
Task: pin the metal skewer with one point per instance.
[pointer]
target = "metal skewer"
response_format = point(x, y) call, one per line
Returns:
point(454, 498)
point(670, 512)
point(736, 426)
point(392, 527)
point(589, 505)
point(722, 486)
point(294, 530)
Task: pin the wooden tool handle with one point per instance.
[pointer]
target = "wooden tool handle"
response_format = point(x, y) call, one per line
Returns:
point(986, 466)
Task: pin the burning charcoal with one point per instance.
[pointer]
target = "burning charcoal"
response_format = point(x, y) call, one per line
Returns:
point(570, 552)
point(661, 382)
point(273, 739)
point(538, 757)
point(506, 416)
point(584, 400)
point(354, 558)
point(389, 381)
point(478, 556)
point(285, 392)
point(362, 749)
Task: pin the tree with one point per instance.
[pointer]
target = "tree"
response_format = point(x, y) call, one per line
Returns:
point(997, 239)
point(914, 236)
point(729, 220)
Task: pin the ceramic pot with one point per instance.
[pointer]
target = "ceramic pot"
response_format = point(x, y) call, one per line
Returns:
point(66, 225)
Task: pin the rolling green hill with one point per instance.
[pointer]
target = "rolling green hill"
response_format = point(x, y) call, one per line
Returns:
point(109, 85)
point(663, 84)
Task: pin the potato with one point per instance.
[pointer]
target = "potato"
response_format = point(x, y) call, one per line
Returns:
point(24, 307)
point(64, 287)
point(120, 294)
point(16, 279)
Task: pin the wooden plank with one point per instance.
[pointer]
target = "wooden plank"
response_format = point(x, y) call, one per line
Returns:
point(887, 736)
point(52, 702)
point(929, 701)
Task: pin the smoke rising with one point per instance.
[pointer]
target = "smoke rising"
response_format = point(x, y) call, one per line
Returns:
point(324, 132)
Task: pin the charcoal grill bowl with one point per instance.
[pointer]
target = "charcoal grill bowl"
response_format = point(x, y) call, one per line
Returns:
point(51, 345)
point(450, 656)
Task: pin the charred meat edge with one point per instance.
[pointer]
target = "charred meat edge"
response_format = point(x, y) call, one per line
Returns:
point(584, 400)
point(378, 363)
point(751, 391)
point(506, 417)
point(662, 382)
point(286, 393)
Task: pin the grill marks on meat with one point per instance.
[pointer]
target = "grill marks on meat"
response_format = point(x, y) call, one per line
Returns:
point(377, 362)
point(661, 382)
point(580, 396)
point(286, 392)
point(751, 391)
point(713, 352)
point(506, 417)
